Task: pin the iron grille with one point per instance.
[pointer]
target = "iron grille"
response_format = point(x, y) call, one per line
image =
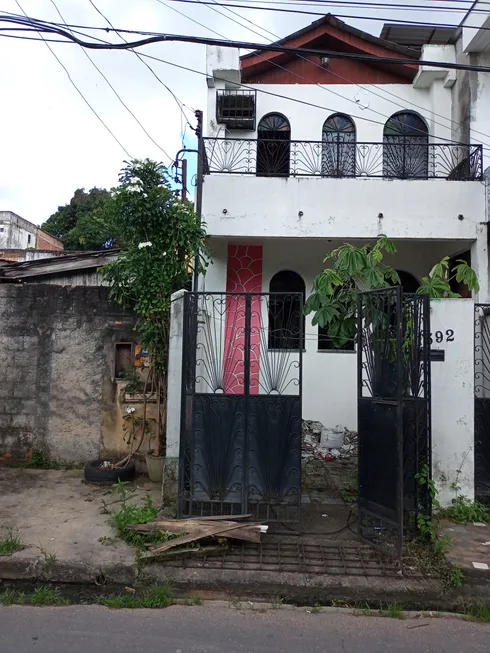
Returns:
point(390, 160)
point(236, 109)
point(240, 448)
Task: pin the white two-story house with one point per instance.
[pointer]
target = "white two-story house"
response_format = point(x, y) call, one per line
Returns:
point(306, 153)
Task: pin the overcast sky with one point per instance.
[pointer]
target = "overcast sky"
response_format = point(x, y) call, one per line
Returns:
point(50, 141)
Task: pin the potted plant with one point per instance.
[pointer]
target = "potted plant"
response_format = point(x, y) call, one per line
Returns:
point(162, 240)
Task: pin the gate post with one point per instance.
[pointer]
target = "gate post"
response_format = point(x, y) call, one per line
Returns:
point(174, 398)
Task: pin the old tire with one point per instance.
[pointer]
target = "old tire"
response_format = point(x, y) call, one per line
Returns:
point(94, 474)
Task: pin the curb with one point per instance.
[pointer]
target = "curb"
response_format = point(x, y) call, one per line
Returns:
point(292, 587)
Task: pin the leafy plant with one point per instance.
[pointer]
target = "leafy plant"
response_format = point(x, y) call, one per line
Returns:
point(353, 270)
point(462, 511)
point(162, 239)
point(131, 513)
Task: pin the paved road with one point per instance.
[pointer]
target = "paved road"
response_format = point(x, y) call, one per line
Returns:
point(213, 629)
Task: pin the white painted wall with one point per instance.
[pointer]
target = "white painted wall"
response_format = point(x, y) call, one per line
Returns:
point(329, 378)
point(369, 107)
point(248, 206)
point(453, 399)
point(174, 391)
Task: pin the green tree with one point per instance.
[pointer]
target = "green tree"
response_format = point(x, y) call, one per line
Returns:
point(162, 237)
point(84, 224)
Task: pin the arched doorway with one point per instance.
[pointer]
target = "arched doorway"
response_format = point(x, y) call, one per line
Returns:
point(408, 282)
point(286, 318)
point(406, 146)
point(273, 146)
point(339, 146)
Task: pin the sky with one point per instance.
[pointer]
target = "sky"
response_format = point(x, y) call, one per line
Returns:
point(51, 143)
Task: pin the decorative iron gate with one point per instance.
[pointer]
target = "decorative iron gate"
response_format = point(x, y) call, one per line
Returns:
point(393, 414)
point(240, 448)
point(482, 402)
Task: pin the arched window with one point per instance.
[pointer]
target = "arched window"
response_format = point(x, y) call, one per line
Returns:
point(286, 318)
point(273, 146)
point(408, 282)
point(405, 146)
point(339, 146)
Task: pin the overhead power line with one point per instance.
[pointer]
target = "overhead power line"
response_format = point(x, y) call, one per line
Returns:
point(322, 14)
point(54, 28)
point(78, 90)
point(367, 5)
point(115, 92)
point(179, 102)
point(326, 88)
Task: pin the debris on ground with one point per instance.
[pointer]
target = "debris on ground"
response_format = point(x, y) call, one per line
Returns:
point(195, 530)
point(327, 443)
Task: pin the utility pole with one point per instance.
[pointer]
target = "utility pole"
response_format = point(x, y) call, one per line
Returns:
point(199, 181)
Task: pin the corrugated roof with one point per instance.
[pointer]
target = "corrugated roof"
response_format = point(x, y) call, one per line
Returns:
point(66, 263)
point(416, 36)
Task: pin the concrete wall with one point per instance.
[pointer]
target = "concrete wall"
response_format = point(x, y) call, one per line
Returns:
point(453, 397)
point(254, 207)
point(57, 393)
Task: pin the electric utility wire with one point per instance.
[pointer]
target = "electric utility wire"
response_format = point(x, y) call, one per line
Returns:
point(78, 90)
point(259, 90)
point(115, 92)
point(398, 104)
point(179, 102)
point(278, 95)
point(371, 5)
point(53, 28)
point(322, 14)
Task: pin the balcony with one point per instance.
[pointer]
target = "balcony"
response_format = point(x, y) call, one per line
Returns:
point(390, 160)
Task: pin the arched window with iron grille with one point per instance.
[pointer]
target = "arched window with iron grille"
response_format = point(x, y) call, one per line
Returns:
point(273, 146)
point(339, 146)
point(286, 318)
point(406, 146)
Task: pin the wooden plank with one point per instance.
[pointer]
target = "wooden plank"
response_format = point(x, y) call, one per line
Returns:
point(211, 530)
point(249, 532)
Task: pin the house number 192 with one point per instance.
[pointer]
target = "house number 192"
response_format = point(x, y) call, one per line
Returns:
point(439, 336)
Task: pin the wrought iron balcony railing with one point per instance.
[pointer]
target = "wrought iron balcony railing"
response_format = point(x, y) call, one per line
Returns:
point(393, 159)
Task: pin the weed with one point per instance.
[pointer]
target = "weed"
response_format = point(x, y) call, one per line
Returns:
point(462, 511)
point(106, 541)
point(479, 612)
point(40, 596)
point(131, 513)
point(277, 602)
point(316, 608)
point(158, 596)
point(50, 557)
point(456, 577)
point(196, 599)
point(395, 611)
point(12, 543)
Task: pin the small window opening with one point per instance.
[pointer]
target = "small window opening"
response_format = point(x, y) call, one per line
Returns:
point(123, 358)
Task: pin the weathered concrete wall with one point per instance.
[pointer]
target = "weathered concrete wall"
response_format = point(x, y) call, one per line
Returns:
point(57, 393)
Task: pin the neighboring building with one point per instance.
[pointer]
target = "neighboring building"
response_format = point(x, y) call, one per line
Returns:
point(59, 269)
point(306, 153)
point(16, 233)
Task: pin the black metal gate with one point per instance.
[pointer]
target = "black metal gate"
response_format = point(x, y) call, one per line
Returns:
point(240, 447)
point(393, 414)
point(482, 402)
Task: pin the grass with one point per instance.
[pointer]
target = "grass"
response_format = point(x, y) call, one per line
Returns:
point(12, 543)
point(50, 557)
point(133, 513)
point(158, 596)
point(463, 510)
point(479, 612)
point(40, 596)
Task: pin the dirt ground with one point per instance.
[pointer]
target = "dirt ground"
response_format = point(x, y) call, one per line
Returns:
point(59, 517)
